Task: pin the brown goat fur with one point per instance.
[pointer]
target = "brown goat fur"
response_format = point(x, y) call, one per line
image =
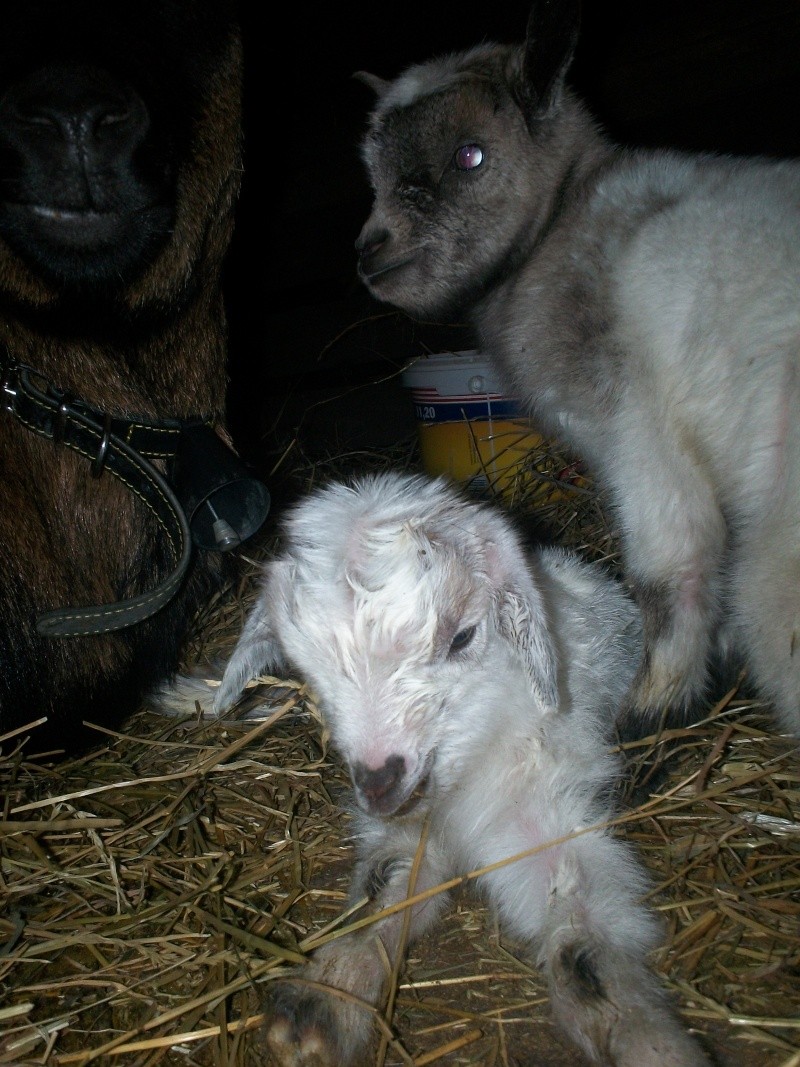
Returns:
point(109, 287)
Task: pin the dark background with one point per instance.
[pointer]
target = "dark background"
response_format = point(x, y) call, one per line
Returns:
point(314, 361)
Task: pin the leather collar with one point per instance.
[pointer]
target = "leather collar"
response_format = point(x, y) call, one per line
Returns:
point(125, 448)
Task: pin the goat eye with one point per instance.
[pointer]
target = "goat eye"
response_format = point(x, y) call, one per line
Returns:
point(462, 639)
point(468, 157)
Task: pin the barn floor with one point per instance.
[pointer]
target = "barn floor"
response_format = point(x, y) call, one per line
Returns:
point(152, 890)
point(155, 888)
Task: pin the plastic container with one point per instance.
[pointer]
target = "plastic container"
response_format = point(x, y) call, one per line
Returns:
point(468, 428)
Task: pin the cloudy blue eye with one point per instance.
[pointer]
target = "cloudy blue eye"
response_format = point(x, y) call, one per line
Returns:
point(468, 157)
point(461, 639)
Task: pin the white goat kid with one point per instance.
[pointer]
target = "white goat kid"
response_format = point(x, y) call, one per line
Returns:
point(471, 691)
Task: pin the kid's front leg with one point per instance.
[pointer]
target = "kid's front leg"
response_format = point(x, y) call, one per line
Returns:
point(324, 1014)
point(674, 541)
point(593, 948)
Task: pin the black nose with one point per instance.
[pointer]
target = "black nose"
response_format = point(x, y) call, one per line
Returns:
point(371, 241)
point(72, 118)
point(377, 786)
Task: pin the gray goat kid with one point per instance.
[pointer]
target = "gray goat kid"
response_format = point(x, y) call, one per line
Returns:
point(470, 689)
point(645, 305)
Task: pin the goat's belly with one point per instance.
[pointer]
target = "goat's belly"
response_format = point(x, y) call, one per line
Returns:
point(753, 442)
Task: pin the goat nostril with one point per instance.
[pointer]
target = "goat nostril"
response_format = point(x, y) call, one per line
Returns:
point(369, 242)
point(74, 105)
point(377, 784)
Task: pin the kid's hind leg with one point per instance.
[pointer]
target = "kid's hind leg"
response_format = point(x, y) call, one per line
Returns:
point(766, 594)
point(323, 1015)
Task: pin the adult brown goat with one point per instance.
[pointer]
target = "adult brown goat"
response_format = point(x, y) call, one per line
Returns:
point(120, 161)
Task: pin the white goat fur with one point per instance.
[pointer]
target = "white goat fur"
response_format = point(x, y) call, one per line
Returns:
point(468, 685)
point(644, 305)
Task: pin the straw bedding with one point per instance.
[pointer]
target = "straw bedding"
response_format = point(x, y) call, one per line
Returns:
point(151, 890)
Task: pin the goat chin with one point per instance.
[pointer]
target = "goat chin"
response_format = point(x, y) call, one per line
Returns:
point(424, 627)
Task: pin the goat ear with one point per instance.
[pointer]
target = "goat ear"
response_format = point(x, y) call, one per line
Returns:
point(549, 47)
point(378, 85)
point(523, 618)
point(258, 648)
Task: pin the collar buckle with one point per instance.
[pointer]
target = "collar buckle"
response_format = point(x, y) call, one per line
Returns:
point(8, 387)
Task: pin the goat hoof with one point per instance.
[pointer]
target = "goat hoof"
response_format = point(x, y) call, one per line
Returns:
point(303, 1029)
point(291, 1046)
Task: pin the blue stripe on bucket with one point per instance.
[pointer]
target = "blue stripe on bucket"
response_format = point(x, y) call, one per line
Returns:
point(458, 410)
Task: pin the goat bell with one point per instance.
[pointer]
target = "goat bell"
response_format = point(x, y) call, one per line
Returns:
point(224, 504)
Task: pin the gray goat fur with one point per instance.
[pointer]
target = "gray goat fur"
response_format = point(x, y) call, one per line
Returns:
point(645, 305)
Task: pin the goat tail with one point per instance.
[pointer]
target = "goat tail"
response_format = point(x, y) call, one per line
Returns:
point(185, 695)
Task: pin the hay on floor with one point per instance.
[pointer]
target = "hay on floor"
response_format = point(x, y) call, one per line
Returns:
point(151, 890)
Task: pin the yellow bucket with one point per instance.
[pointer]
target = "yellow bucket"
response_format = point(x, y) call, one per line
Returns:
point(468, 428)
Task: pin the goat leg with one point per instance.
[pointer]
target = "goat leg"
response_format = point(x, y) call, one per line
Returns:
point(602, 991)
point(323, 1014)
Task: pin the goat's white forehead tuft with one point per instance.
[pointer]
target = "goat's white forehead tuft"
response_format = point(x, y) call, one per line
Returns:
point(329, 521)
point(433, 76)
point(385, 555)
